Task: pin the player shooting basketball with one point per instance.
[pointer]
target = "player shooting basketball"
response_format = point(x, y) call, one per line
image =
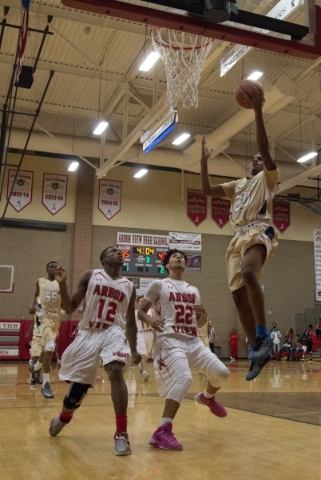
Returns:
point(255, 239)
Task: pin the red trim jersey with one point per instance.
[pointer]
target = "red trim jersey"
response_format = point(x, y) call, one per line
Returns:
point(106, 301)
point(174, 301)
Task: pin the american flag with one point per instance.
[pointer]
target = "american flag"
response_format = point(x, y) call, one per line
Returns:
point(23, 33)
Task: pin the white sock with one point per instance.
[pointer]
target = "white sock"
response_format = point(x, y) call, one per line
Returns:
point(208, 395)
point(45, 378)
point(38, 365)
point(166, 420)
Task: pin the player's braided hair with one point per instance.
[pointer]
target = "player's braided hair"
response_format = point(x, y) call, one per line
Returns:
point(168, 255)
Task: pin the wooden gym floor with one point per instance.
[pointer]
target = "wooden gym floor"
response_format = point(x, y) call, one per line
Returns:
point(271, 432)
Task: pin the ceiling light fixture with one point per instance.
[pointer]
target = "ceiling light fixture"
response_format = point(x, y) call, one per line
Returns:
point(100, 128)
point(73, 166)
point(141, 173)
point(255, 75)
point(181, 139)
point(307, 157)
point(149, 62)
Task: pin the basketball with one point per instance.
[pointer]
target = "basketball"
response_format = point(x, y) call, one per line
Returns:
point(245, 90)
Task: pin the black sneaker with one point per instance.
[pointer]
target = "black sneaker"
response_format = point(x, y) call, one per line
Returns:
point(261, 349)
point(256, 367)
point(36, 374)
point(46, 391)
point(33, 383)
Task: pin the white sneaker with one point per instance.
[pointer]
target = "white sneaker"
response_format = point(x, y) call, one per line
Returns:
point(146, 376)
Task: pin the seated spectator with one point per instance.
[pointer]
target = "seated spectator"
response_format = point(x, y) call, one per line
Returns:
point(287, 346)
point(318, 329)
point(307, 339)
point(289, 335)
point(297, 349)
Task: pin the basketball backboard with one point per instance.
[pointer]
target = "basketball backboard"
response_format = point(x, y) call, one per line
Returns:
point(224, 20)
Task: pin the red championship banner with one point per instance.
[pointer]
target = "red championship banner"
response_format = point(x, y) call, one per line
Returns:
point(220, 211)
point(281, 214)
point(21, 194)
point(196, 206)
point(109, 201)
point(54, 192)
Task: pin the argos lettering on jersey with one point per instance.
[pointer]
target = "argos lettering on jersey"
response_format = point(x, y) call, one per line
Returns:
point(109, 292)
point(182, 297)
point(121, 354)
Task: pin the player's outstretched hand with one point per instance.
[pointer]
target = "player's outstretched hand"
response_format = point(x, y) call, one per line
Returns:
point(158, 324)
point(206, 153)
point(60, 274)
point(136, 358)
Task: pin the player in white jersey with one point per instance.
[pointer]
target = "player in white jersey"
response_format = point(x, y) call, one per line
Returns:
point(109, 311)
point(177, 347)
point(47, 303)
point(255, 239)
point(145, 339)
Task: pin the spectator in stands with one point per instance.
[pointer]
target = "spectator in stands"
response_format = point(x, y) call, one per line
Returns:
point(318, 329)
point(211, 335)
point(273, 325)
point(275, 335)
point(307, 340)
point(297, 348)
point(234, 344)
point(286, 348)
point(289, 335)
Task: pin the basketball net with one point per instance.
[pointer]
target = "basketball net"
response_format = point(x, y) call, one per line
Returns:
point(183, 64)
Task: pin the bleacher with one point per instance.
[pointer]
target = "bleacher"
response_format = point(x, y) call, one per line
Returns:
point(302, 320)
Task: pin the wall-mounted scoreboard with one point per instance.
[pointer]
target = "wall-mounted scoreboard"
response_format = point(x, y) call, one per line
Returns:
point(143, 260)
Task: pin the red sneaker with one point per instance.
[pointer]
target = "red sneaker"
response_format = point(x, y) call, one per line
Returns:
point(215, 407)
point(164, 438)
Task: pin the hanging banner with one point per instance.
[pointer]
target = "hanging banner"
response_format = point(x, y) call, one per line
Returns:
point(185, 241)
point(220, 211)
point(109, 200)
point(54, 192)
point(196, 206)
point(281, 214)
point(194, 262)
point(21, 194)
point(317, 263)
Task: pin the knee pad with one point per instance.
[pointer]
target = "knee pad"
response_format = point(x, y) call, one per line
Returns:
point(50, 346)
point(220, 376)
point(75, 395)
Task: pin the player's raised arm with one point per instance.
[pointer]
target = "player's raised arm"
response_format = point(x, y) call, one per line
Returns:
point(207, 187)
point(262, 140)
point(70, 304)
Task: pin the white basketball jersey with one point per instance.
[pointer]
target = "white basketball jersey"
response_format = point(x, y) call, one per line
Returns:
point(106, 301)
point(141, 326)
point(174, 301)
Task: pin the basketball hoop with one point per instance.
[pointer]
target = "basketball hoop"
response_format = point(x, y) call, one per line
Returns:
point(183, 55)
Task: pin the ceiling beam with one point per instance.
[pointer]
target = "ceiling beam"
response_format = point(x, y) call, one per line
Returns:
point(158, 109)
point(299, 179)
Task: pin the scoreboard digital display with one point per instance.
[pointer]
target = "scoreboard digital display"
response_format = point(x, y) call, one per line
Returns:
point(143, 260)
